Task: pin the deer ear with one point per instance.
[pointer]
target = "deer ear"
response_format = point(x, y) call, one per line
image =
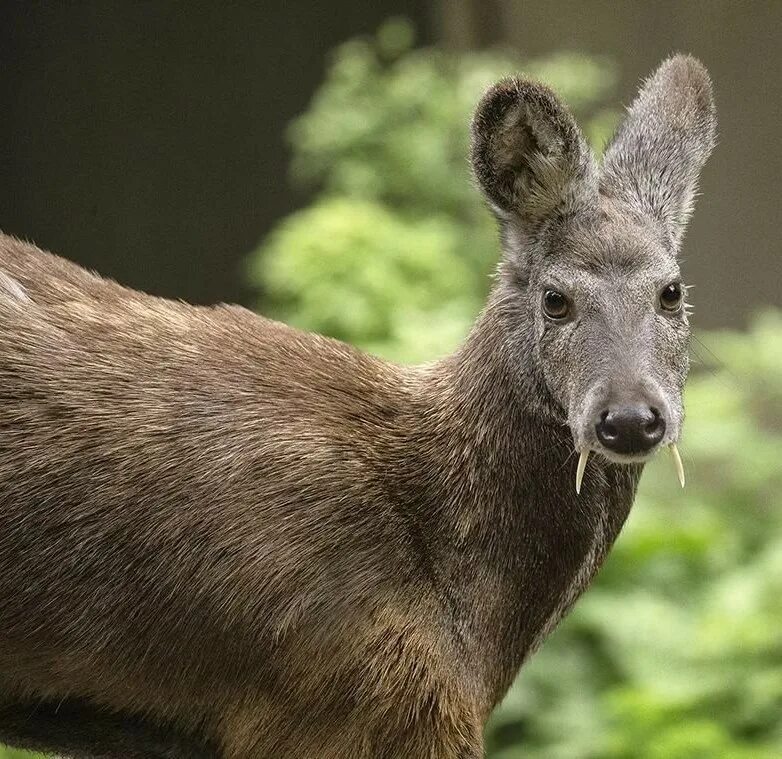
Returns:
point(528, 155)
point(654, 160)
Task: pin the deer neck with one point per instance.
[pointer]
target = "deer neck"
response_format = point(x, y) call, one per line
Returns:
point(514, 545)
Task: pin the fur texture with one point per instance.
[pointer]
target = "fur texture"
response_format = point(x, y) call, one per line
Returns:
point(223, 537)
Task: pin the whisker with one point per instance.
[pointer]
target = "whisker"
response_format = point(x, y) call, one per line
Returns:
point(570, 455)
point(717, 362)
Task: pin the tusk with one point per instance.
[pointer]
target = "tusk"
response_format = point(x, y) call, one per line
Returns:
point(582, 462)
point(677, 461)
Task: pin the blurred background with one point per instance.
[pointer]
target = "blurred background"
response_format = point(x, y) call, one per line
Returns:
point(310, 161)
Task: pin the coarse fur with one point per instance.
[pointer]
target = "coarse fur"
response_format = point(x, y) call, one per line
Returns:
point(224, 537)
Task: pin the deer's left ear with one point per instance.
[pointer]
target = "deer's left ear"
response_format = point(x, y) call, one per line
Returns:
point(528, 155)
point(654, 160)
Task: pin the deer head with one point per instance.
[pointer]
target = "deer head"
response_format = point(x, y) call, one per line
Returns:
point(590, 267)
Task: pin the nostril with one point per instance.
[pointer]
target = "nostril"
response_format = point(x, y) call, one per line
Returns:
point(606, 429)
point(607, 432)
point(654, 429)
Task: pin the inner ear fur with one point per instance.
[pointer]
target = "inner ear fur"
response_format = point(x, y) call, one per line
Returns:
point(528, 155)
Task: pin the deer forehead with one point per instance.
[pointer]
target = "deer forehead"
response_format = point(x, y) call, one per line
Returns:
point(602, 250)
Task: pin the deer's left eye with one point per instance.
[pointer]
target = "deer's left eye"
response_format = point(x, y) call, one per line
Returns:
point(671, 297)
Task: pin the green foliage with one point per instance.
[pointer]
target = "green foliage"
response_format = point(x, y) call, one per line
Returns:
point(676, 651)
point(354, 269)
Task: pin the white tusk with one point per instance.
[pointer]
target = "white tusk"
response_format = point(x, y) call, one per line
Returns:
point(582, 462)
point(677, 461)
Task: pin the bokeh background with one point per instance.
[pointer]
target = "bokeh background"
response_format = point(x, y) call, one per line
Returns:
point(309, 160)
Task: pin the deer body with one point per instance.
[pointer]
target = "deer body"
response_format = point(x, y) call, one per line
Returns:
point(223, 537)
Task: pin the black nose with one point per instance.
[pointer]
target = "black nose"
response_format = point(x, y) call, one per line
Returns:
point(630, 429)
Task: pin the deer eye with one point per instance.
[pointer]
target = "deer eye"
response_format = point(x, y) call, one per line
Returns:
point(555, 305)
point(671, 297)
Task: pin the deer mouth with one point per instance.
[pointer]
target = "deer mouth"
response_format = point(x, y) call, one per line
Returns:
point(629, 459)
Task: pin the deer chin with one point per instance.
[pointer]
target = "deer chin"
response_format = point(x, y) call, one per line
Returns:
point(617, 458)
point(627, 458)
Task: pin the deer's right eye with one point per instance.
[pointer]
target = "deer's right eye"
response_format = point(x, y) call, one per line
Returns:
point(555, 305)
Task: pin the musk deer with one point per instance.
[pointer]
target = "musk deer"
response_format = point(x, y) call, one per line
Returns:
point(223, 537)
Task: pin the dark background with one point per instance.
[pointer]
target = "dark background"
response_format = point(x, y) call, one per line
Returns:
point(146, 139)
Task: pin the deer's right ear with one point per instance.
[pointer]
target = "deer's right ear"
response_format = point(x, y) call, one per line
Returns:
point(530, 158)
